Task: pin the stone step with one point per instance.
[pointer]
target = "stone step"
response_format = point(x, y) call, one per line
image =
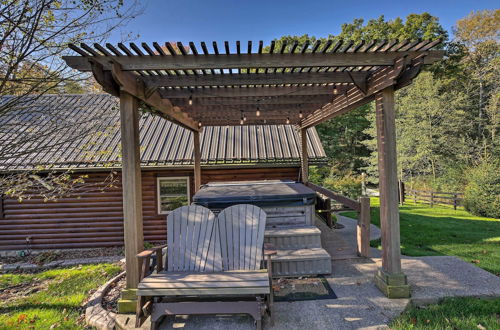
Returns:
point(301, 262)
point(304, 237)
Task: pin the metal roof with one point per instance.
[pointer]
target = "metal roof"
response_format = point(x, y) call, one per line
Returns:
point(83, 131)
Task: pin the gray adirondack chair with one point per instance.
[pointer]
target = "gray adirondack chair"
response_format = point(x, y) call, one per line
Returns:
point(214, 266)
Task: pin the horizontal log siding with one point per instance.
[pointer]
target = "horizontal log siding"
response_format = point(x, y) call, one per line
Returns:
point(95, 219)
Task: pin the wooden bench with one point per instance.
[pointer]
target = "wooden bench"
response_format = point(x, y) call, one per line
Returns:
point(214, 266)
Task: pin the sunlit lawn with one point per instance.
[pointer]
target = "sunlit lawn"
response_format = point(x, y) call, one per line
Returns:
point(53, 298)
point(452, 313)
point(432, 231)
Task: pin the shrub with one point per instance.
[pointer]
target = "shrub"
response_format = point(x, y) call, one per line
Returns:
point(347, 185)
point(482, 192)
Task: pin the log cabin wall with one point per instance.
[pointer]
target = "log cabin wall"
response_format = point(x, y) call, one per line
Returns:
point(94, 218)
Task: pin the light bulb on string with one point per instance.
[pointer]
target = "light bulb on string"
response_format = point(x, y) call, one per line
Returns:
point(335, 91)
point(257, 113)
point(287, 120)
point(300, 114)
point(190, 100)
point(199, 124)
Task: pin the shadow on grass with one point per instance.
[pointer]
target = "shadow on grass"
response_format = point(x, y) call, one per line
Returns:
point(24, 307)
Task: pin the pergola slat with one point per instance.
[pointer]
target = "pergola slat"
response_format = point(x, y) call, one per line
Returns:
point(291, 80)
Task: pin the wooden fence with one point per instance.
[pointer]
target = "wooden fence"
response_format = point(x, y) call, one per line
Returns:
point(432, 198)
point(324, 209)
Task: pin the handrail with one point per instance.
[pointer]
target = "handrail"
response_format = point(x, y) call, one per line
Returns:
point(363, 209)
point(351, 203)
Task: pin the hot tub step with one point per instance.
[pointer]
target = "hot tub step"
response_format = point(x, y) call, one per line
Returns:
point(301, 262)
point(305, 237)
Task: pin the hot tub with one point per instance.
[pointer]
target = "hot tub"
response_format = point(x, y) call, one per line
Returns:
point(287, 203)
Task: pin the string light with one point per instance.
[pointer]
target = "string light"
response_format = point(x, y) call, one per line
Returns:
point(199, 124)
point(242, 120)
point(335, 91)
point(287, 120)
point(257, 113)
point(300, 114)
point(190, 100)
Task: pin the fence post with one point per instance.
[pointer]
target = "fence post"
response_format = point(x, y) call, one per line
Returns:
point(401, 186)
point(432, 199)
point(363, 227)
point(414, 196)
point(455, 200)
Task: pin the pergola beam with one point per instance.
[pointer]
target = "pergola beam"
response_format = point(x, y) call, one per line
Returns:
point(131, 84)
point(244, 61)
point(355, 97)
point(265, 108)
point(262, 91)
point(255, 79)
point(255, 101)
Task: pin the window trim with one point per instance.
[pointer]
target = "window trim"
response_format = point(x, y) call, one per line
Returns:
point(158, 195)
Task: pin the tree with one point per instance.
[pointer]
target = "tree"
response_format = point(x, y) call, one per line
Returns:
point(479, 32)
point(34, 35)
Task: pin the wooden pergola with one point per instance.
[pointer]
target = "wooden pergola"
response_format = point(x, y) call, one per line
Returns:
point(301, 85)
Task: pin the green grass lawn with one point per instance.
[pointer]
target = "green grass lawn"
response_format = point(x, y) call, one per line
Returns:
point(452, 313)
point(51, 298)
point(433, 231)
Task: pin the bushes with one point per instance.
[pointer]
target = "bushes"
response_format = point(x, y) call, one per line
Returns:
point(341, 182)
point(482, 192)
point(347, 185)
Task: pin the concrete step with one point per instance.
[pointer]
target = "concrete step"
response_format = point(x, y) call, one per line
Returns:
point(304, 237)
point(301, 262)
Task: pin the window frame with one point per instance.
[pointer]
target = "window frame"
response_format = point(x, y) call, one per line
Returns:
point(158, 194)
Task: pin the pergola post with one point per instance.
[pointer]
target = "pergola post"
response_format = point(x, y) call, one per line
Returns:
point(304, 156)
point(389, 279)
point(197, 161)
point(132, 197)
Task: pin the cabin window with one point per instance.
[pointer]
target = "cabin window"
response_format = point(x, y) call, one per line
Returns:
point(172, 193)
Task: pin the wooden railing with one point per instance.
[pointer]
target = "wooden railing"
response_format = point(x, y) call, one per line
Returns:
point(323, 207)
point(435, 197)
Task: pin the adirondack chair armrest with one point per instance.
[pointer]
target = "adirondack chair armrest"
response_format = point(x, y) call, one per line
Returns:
point(269, 250)
point(145, 260)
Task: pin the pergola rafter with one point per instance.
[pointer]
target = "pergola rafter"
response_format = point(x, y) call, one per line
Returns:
point(188, 85)
point(302, 85)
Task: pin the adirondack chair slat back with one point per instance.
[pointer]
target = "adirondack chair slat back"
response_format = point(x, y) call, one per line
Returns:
point(190, 245)
point(241, 229)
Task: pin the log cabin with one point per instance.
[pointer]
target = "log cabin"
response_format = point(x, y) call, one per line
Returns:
point(80, 135)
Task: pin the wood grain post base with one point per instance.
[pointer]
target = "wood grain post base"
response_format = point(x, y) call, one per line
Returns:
point(392, 285)
point(128, 301)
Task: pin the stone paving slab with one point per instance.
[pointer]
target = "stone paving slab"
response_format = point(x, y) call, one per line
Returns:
point(360, 305)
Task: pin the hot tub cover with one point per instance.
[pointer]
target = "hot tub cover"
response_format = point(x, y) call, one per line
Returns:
point(261, 193)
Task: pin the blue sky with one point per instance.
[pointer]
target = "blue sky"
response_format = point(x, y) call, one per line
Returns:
point(208, 20)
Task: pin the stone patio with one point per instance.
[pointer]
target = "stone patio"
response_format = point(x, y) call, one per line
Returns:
point(360, 305)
